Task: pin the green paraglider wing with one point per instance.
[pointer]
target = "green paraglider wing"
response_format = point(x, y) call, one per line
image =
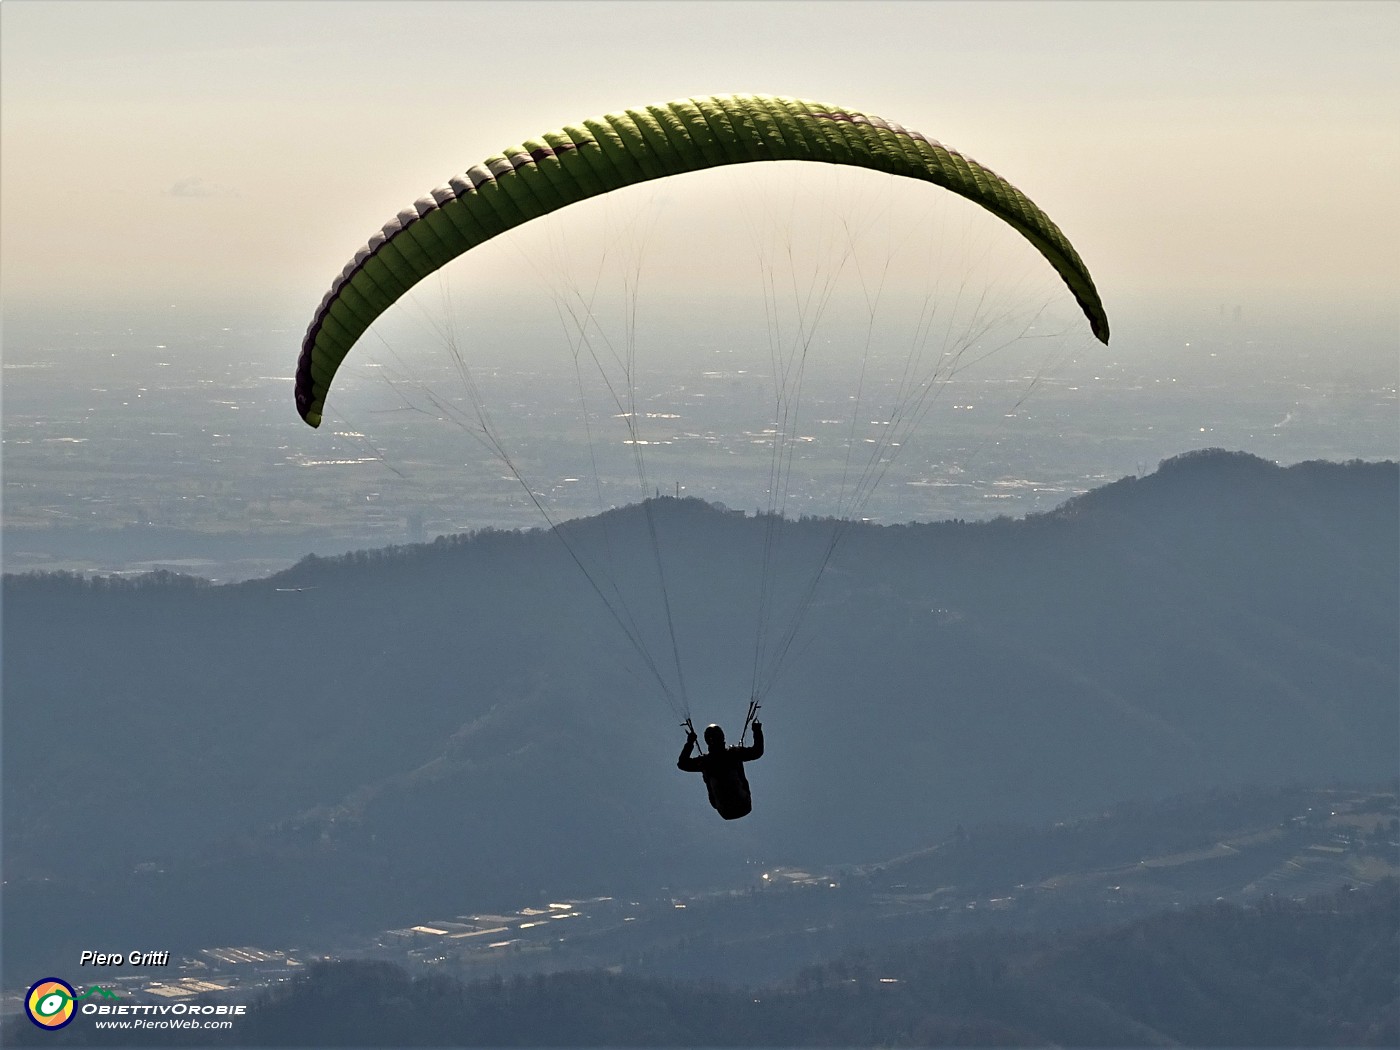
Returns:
point(621, 149)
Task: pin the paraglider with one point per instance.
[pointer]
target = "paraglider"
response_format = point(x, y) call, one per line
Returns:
point(608, 153)
point(722, 766)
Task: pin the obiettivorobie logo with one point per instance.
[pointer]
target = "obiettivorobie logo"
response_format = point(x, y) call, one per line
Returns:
point(52, 1002)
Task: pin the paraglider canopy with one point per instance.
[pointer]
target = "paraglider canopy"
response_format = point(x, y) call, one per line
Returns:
point(621, 149)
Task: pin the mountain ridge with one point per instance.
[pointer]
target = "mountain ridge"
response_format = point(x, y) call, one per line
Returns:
point(358, 737)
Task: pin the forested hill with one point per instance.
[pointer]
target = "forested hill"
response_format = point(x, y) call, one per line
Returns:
point(371, 738)
point(1309, 973)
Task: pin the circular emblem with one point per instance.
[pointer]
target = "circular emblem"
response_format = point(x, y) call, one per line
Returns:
point(49, 1003)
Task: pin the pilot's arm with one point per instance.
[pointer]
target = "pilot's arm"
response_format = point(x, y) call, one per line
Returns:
point(748, 754)
point(687, 762)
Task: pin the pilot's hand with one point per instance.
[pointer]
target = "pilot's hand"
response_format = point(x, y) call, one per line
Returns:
point(758, 725)
point(690, 736)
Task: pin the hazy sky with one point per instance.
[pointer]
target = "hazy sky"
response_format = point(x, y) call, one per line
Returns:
point(211, 153)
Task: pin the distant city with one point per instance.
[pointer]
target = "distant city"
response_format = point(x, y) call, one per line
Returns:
point(173, 443)
point(1346, 837)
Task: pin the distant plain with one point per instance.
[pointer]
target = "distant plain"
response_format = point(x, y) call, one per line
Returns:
point(139, 442)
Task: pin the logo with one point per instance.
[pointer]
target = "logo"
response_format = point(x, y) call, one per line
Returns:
point(49, 1003)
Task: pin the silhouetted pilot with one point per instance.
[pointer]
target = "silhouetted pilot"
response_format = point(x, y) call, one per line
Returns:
point(723, 769)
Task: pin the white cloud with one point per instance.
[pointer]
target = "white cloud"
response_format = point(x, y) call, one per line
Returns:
point(194, 186)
